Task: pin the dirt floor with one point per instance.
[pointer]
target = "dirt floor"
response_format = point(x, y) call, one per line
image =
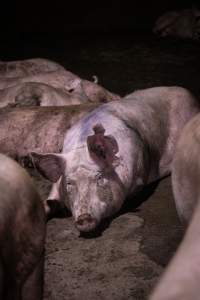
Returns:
point(125, 260)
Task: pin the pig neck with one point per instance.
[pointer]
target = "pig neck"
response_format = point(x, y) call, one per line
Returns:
point(150, 120)
point(182, 277)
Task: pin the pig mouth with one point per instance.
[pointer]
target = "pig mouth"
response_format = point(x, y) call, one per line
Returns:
point(86, 223)
point(90, 232)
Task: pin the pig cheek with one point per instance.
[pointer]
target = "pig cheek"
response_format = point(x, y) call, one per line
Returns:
point(99, 208)
point(107, 200)
point(118, 197)
point(68, 195)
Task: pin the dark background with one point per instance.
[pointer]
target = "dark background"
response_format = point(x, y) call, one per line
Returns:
point(112, 39)
point(60, 17)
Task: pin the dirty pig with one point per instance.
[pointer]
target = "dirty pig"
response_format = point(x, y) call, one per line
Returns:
point(22, 234)
point(114, 150)
point(181, 278)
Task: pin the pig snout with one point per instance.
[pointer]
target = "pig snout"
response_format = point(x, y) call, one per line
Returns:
point(86, 223)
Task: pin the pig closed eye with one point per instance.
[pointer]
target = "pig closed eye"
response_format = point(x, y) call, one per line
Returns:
point(69, 186)
point(100, 179)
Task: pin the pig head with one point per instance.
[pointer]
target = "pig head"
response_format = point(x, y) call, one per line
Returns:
point(86, 179)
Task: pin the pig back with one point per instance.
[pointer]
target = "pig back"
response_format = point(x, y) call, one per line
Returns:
point(39, 129)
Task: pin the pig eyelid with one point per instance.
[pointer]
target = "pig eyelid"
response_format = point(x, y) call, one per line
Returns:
point(99, 176)
point(69, 182)
point(100, 179)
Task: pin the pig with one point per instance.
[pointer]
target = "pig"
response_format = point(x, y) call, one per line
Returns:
point(40, 94)
point(26, 129)
point(114, 151)
point(22, 234)
point(164, 22)
point(184, 24)
point(67, 82)
point(180, 280)
point(27, 67)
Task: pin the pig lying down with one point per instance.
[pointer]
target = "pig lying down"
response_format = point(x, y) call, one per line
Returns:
point(184, 24)
point(26, 129)
point(40, 94)
point(63, 84)
point(181, 278)
point(114, 150)
point(22, 234)
point(21, 68)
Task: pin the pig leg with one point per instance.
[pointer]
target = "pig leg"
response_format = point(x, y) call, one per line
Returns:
point(33, 287)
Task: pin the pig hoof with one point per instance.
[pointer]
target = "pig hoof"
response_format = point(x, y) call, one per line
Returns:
point(86, 223)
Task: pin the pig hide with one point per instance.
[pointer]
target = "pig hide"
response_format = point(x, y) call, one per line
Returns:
point(42, 129)
point(27, 67)
point(40, 94)
point(64, 80)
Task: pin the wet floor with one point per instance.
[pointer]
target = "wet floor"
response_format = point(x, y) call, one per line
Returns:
point(125, 260)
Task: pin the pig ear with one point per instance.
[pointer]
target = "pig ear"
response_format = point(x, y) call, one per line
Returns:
point(102, 148)
point(51, 166)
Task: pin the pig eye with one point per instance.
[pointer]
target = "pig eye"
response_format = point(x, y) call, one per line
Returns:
point(100, 179)
point(69, 185)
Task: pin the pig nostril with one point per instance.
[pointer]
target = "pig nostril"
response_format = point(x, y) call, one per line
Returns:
point(80, 222)
point(86, 222)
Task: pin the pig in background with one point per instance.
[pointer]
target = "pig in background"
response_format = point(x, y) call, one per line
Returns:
point(60, 84)
point(115, 150)
point(22, 234)
point(181, 279)
point(26, 129)
point(184, 24)
point(40, 94)
point(26, 67)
